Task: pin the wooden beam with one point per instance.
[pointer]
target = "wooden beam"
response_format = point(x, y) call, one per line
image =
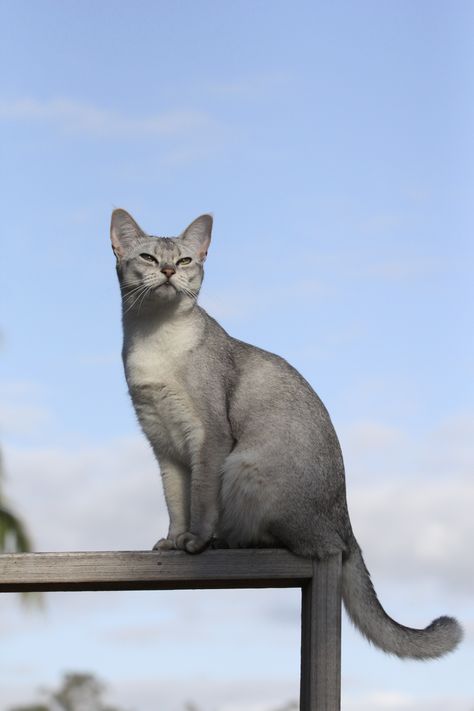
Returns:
point(321, 638)
point(167, 570)
point(173, 570)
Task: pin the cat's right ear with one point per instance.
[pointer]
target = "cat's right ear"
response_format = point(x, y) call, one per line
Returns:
point(124, 232)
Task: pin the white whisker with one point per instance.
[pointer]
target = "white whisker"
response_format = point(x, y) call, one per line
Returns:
point(147, 291)
point(137, 297)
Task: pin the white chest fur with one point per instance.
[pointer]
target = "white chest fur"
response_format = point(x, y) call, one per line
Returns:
point(155, 367)
point(158, 353)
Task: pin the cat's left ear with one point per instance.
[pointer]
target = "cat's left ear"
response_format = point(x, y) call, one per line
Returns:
point(124, 232)
point(199, 235)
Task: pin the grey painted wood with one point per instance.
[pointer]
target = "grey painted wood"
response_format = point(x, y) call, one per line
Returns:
point(321, 638)
point(167, 570)
point(172, 570)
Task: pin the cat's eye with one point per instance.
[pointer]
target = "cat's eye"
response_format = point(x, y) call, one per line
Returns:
point(184, 260)
point(148, 258)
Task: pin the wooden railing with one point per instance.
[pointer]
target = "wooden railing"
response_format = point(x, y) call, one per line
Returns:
point(320, 583)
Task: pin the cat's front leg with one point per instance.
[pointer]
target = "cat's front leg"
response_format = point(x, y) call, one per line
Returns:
point(205, 485)
point(176, 485)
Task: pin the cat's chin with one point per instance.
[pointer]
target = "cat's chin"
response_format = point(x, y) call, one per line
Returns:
point(166, 291)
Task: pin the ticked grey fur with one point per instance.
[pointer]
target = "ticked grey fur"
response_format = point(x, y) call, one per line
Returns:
point(246, 449)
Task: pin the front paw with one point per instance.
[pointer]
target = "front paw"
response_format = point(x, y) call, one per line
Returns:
point(165, 544)
point(191, 543)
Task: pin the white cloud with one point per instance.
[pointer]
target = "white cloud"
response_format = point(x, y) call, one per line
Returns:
point(19, 388)
point(411, 501)
point(397, 701)
point(253, 299)
point(19, 413)
point(361, 265)
point(76, 117)
point(403, 269)
point(218, 694)
point(417, 530)
point(252, 87)
point(104, 497)
point(381, 222)
point(375, 436)
point(23, 419)
point(231, 306)
point(97, 359)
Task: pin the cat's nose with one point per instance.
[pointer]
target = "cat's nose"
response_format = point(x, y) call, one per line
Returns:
point(168, 271)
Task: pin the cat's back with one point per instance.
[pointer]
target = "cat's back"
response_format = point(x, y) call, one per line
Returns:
point(269, 390)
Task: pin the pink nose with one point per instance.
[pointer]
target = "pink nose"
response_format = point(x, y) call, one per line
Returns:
point(168, 271)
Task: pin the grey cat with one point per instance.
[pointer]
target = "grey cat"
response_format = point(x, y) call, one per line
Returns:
point(246, 449)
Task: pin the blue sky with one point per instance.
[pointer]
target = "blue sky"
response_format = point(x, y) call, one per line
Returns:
point(333, 143)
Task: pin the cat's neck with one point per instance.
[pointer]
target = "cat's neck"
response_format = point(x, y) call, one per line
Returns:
point(162, 319)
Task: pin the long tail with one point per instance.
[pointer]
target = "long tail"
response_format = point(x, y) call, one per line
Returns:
point(361, 602)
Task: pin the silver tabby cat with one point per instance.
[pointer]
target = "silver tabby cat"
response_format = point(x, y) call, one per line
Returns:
point(246, 449)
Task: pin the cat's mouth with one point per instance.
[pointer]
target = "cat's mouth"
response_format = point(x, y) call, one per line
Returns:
point(166, 290)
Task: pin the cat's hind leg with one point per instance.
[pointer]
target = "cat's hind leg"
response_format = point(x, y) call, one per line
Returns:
point(245, 502)
point(259, 509)
point(314, 538)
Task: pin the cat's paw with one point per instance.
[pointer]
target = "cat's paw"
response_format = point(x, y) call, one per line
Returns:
point(191, 543)
point(165, 544)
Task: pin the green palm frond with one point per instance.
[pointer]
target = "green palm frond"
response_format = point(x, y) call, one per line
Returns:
point(13, 535)
point(14, 538)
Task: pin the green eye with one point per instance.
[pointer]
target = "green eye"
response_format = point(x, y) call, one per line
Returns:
point(184, 260)
point(148, 258)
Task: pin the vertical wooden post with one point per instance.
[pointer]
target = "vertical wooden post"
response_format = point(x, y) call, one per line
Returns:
point(321, 638)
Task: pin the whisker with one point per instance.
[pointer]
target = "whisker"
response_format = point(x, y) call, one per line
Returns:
point(130, 292)
point(183, 288)
point(131, 282)
point(126, 294)
point(144, 297)
point(189, 292)
point(143, 290)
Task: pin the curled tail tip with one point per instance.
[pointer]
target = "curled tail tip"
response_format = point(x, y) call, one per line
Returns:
point(441, 637)
point(449, 633)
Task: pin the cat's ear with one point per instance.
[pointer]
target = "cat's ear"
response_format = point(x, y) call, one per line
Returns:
point(199, 235)
point(124, 232)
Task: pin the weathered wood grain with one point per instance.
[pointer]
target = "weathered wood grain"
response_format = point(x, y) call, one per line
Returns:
point(321, 638)
point(167, 570)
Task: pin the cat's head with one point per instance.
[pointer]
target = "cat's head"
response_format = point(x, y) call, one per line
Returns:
point(155, 271)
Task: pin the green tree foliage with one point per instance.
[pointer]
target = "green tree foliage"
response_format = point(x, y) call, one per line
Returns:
point(80, 692)
point(13, 535)
point(77, 692)
point(84, 692)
